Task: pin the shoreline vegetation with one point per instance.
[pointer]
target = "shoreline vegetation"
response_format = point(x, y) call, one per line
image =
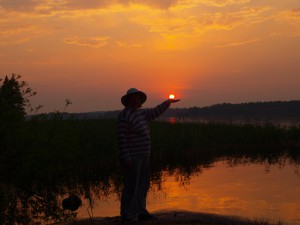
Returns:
point(249, 112)
point(72, 144)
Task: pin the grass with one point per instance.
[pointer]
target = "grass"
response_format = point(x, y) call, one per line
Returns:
point(87, 149)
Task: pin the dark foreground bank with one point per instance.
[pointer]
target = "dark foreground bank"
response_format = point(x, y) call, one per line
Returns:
point(178, 217)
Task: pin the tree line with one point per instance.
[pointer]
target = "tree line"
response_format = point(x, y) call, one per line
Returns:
point(275, 110)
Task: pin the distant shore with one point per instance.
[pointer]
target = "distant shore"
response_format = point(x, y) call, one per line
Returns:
point(177, 217)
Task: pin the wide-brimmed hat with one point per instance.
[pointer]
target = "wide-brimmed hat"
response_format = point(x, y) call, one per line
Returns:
point(132, 91)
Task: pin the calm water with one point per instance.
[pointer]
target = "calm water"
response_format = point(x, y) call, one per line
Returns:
point(249, 190)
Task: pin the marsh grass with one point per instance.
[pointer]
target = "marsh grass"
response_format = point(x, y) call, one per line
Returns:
point(194, 141)
point(47, 149)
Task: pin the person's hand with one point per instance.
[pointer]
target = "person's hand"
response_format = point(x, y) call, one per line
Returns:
point(174, 100)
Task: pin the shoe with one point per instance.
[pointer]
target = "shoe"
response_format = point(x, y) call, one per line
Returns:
point(126, 221)
point(147, 217)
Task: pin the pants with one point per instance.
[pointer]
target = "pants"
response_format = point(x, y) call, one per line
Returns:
point(136, 186)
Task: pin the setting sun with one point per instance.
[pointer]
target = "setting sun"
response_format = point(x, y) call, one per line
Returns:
point(171, 96)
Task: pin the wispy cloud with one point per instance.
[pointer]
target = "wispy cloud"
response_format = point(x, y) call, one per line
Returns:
point(222, 3)
point(229, 20)
point(17, 34)
point(288, 18)
point(15, 41)
point(199, 24)
point(124, 44)
point(95, 42)
point(53, 5)
point(233, 44)
point(99, 42)
point(291, 14)
point(47, 6)
point(116, 20)
point(8, 31)
point(18, 5)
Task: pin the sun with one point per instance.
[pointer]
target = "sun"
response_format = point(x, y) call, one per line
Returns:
point(171, 96)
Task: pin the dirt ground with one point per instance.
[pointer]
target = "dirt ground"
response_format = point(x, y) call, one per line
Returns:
point(174, 218)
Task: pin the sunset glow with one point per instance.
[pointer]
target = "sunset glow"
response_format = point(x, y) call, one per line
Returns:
point(171, 96)
point(208, 51)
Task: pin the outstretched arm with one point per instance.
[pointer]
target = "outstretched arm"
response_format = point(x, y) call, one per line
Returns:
point(151, 114)
point(174, 100)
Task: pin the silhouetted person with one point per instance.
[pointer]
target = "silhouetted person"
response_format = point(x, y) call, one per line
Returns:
point(134, 149)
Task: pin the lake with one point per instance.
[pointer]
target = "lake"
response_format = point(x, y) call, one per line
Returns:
point(251, 190)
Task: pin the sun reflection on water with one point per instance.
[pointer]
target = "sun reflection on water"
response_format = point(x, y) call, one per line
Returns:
point(244, 190)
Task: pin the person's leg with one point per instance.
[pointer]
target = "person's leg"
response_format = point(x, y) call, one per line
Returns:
point(144, 184)
point(129, 193)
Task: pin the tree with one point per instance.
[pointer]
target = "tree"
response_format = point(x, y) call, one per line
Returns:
point(14, 99)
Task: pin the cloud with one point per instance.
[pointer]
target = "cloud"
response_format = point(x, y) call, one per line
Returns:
point(47, 6)
point(92, 4)
point(95, 42)
point(233, 44)
point(17, 34)
point(123, 44)
point(222, 3)
point(164, 25)
point(84, 4)
point(99, 42)
point(291, 14)
point(165, 4)
point(15, 41)
point(229, 20)
point(127, 23)
point(32, 5)
point(53, 5)
point(113, 22)
point(198, 24)
point(18, 5)
point(8, 31)
point(161, 4)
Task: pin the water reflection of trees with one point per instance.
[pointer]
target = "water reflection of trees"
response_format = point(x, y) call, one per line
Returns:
point(34, 201)
point(20, 205)
point(34, 180)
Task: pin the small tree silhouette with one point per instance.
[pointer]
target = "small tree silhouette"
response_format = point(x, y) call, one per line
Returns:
point(15, 99)
point(12, 103)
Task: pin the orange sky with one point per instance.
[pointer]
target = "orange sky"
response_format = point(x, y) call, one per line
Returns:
point(206, 51)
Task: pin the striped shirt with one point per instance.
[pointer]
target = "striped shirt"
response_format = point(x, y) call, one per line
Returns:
point(133, 130)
